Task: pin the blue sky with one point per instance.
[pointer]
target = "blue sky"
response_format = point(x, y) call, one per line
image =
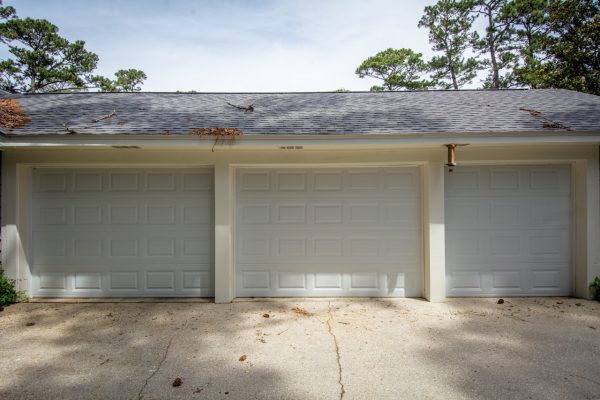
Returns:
point(301, 45)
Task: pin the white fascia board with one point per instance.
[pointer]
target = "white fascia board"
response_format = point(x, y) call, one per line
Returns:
point(276, 142)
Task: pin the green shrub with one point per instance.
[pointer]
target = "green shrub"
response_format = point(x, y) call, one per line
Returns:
point(595, 288)
point(8, 294)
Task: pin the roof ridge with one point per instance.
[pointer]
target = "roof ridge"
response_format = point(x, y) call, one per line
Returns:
point(290, 93)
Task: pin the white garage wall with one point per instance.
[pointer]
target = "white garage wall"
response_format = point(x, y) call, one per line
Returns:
point(17, 165)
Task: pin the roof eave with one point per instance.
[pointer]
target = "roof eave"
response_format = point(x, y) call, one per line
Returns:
point(271, 141)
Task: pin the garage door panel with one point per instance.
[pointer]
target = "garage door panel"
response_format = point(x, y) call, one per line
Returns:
point(125, 180)
point(87, 281)
point(73, 248)
point(252, 182)
point(548, 278)
point(508, 279)
point(328, 232)
point(192, 280)
point(463, 246)
point(123, 232)
point(530, 279)
point(464, 212)
point(503, 181)
point(323, 265)
point(253, 281)
point(51, 182)
point(549, 180)
point(399, 214)
point(399, 249)
point(550, 212)
point(160, 280)
point(511, 234)
point(555, 246)
point(327, 180)
point(525, 212)
point(502, 245)
point(405, 182)
point(53, 214)
point(96, 281)
point(475, 282)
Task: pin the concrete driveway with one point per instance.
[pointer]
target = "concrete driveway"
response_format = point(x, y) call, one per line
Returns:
point(309, 349)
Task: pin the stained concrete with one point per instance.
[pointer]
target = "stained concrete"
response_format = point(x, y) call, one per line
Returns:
point(529, 348)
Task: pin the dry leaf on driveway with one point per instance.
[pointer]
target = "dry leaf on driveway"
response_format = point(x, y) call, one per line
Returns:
point(301, 311)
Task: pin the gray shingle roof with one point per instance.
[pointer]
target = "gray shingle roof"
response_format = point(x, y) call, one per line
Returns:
point(313, 113)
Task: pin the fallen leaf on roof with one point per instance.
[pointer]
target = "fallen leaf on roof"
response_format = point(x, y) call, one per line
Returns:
point(11, 114)
point(554, 125)
point(301, 311)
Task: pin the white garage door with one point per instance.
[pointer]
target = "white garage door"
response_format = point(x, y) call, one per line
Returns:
point(508, 231)
point(123, 232)
point(328, 232)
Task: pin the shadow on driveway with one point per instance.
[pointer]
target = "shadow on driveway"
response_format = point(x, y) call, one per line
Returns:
point(368, 348)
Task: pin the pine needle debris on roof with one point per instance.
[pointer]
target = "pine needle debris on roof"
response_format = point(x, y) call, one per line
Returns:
point(11, 114)
point(221, 133)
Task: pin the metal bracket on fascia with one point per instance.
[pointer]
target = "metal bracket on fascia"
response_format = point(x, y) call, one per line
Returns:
point(452, 154)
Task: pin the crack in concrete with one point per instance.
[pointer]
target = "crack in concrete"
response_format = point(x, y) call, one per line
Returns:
point(164, 357)
point(584, 378)
point(337, 352)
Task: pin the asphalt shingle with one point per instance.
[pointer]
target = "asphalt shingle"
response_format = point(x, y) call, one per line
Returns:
point(324, 113)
